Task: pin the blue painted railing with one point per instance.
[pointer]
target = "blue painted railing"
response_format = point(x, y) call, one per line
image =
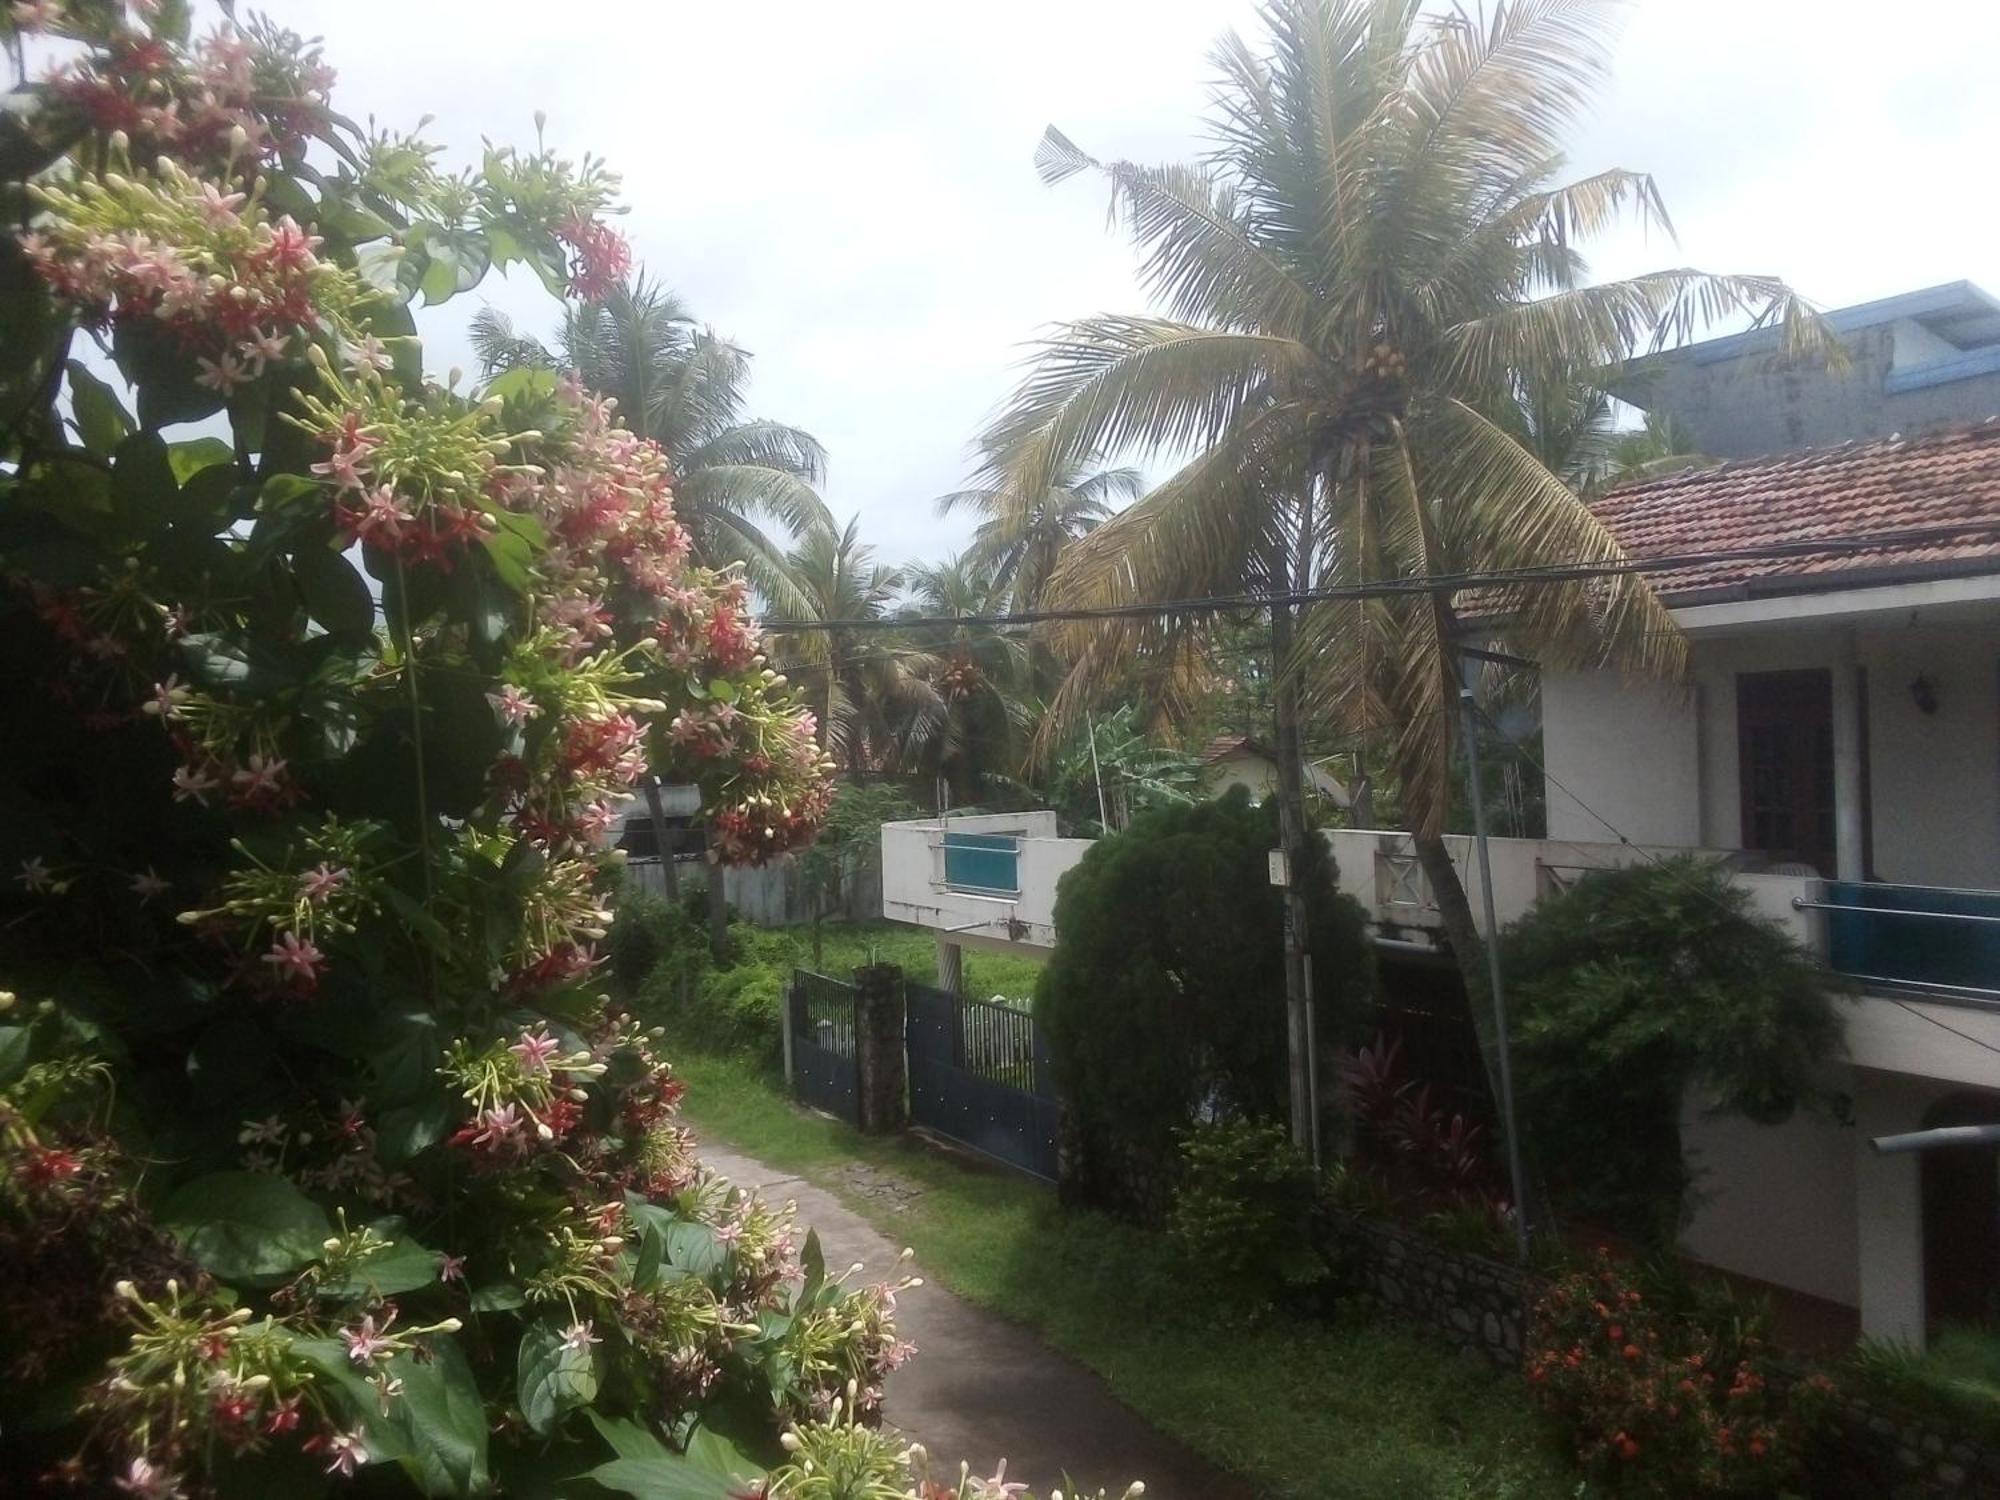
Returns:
point(1914, 934)
point(987, 864)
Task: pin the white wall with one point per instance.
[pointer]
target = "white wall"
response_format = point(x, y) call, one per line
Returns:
point(913, 888)
point(1251, 772)
point(1661, 764)
point(1624, 750)
point(1775, 1202)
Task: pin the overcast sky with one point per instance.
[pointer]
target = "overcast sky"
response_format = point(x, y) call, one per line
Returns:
point(848, 190)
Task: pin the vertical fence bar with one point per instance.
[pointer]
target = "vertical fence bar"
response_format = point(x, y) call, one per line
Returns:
point(791, 1007)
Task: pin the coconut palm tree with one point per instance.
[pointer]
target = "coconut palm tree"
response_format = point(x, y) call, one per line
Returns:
point(969, 719)
point(857, 680)
point(684, 386)
point(1021, 541)
point(1357, 279)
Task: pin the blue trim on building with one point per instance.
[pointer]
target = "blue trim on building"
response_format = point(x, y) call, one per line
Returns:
point(1953, 296)
point(1942, 372)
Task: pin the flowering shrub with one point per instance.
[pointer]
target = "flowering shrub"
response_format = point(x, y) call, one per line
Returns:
point(319, 1151)
point(838, 1458)
point(1658, 1404)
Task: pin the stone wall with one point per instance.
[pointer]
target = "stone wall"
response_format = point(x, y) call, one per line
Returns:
point(1478, 1306)
point(1878, 1448)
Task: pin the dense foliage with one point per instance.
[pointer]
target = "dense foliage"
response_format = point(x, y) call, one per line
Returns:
point(1164, 1001)
point(1246, 1212)
point(1658, 1402)
point(317, 1147)
point(1634, 988)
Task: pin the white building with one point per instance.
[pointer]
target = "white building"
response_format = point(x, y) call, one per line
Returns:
point(1838, 742)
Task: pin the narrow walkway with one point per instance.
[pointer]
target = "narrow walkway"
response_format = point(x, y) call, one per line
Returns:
point(982, 1389)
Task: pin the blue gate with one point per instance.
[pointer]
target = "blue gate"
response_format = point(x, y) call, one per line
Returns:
point(825, 1071)
point(980, 1075)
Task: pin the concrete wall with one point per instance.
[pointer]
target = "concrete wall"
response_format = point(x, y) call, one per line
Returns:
point(1625, 751)
point(1253, 772)
point(1775, 1202)
point(913, 888)
point(1747, 407)
point(1661, 765)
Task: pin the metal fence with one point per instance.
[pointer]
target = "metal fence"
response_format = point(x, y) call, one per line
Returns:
point(824, 1063)
point(979, 1075)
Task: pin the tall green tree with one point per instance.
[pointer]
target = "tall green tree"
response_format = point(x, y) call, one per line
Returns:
point(970, 718)
point(856, 679)
point(1355, 281)
point(1022, 538)
point(684, 386)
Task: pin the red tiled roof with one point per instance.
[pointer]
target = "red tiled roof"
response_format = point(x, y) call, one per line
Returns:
point(1856, 489)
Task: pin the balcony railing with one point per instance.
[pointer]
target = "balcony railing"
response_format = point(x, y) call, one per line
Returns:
point(1927, 937)
point(982, 864)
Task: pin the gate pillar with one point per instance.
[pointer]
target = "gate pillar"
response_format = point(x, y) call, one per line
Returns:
point(883, 1067)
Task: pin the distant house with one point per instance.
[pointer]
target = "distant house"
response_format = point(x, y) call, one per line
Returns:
point(1916, 361)
point(1232, 760)
point(1838, 746)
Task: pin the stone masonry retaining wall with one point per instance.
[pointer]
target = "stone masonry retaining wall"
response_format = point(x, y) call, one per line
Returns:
point(1478, 1306)
point(1482, 1308)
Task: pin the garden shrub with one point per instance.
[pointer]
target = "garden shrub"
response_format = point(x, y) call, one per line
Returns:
point(636, 938)
point(1164, 1002)
point(1956, 1376)
point(1656, 1402)
point(1246, 1213)
point(1632, 988)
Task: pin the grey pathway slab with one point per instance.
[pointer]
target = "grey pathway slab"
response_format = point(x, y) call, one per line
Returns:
point(981, 1388)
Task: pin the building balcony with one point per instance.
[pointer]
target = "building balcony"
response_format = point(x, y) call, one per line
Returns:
point(987, 880)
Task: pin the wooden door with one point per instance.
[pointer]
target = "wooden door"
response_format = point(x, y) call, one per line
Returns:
point(1784, 738)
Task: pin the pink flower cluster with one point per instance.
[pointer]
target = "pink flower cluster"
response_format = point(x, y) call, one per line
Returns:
point(380, 519)
point(238, 298)
point(273, 90)
point(600, 257)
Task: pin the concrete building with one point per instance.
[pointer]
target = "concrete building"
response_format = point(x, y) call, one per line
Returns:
point(1233, 760)
point(1837, 742)
point(1916, 362)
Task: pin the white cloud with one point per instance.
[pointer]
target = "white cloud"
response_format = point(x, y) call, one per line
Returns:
point(848, 189)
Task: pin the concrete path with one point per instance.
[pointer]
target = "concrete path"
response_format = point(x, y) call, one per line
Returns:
point(980, 1388)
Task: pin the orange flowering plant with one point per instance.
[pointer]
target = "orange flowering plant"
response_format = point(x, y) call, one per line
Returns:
point(1661, 1403)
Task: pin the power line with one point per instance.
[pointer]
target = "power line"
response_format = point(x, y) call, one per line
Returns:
point(1432, 583)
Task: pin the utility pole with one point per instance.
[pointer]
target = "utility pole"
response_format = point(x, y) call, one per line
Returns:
point(1292, 835)
point(1516, 1178)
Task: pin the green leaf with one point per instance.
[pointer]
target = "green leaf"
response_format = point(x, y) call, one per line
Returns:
point(436, 1430)
point(101, 420)
point(144, 487)
point(412, 1128)
point(208, 499)
point(712, 1468)
point(551, 1377)
point(243, 1225)
point(197, 454)
point(151, 358)
point(501, 1296)
point(505, 247)
point(403, 1267)
point(512, 559)
point(282, 490)
point(652, 1253)
point(13, 1052)
point(336, 594)
point(522, 383)
point(686, 1245)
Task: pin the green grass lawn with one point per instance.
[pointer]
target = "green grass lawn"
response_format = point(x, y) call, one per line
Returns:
point(1305, 1410)
point(844, 945)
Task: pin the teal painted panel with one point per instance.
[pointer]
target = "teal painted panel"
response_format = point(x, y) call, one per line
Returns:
point(984, 862)
point(1904, 932)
